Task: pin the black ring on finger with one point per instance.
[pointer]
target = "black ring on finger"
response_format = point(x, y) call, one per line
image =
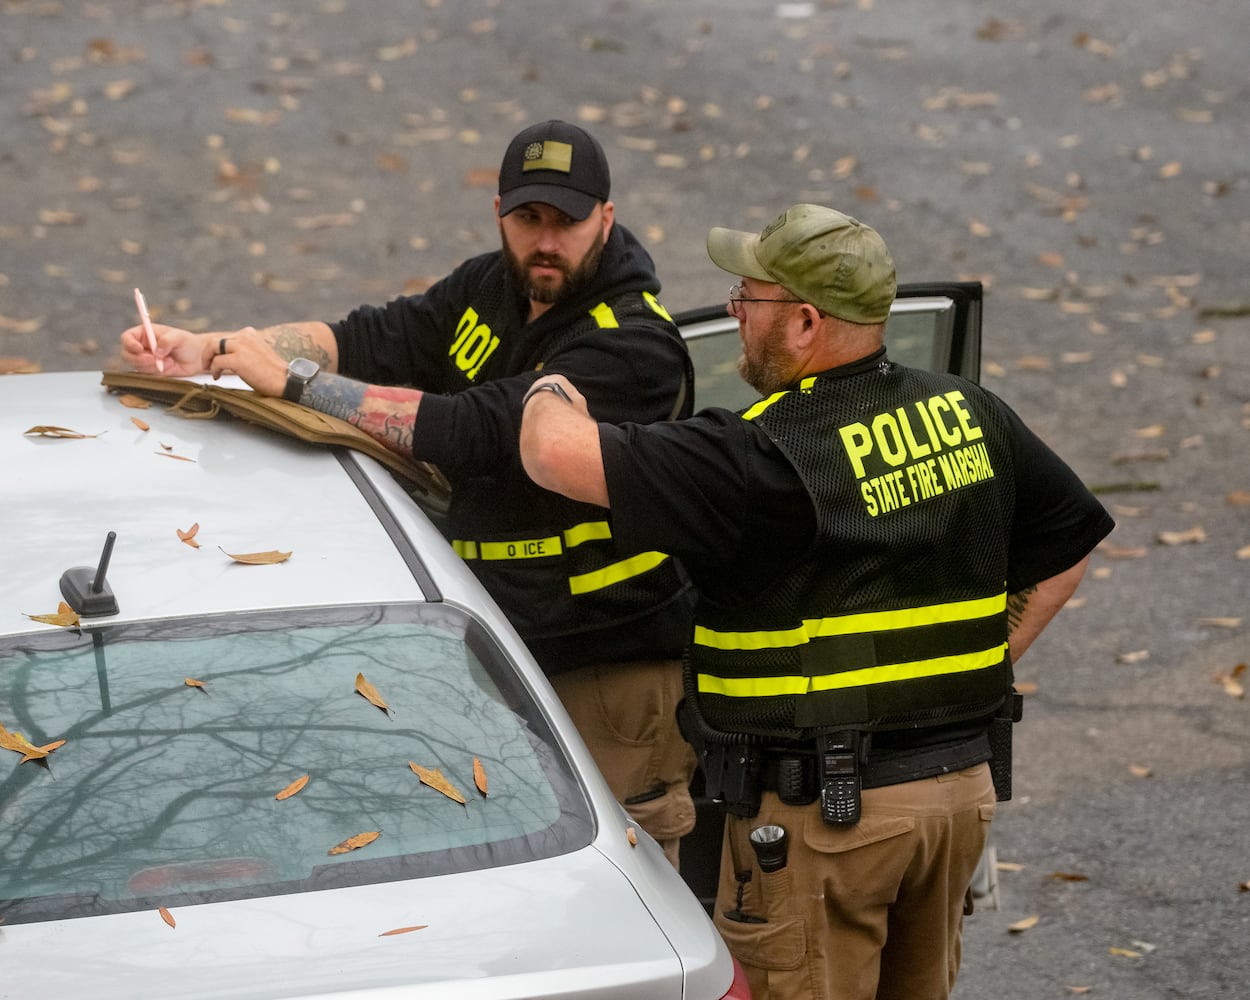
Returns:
point(221, 346)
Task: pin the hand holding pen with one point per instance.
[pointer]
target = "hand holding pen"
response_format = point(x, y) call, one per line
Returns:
point(146, 320)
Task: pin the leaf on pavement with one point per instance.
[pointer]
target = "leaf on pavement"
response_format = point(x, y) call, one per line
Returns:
point(52, 431)
point(1190, 537)
point(1124, 952)
point(479, 775)
point(258, 558)
point(295, 786)
point(435, 779)
point(1136, 656)
point(404, 930)
point(65, 616)
point(1020, 926)
point(188, 536)
point(1140, 771)
point(356, 842)
point(1068, 877)
point(370, 694)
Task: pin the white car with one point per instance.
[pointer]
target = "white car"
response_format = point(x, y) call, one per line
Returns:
point(223, 779)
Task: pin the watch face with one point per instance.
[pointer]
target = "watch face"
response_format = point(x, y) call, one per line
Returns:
point(303, 368)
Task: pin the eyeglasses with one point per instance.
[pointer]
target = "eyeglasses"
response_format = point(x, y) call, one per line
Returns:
point(736, 298)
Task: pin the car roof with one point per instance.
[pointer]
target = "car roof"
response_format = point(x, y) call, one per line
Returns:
point(251, 492)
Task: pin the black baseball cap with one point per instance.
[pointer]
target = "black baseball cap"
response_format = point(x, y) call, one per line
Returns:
point(557, 164)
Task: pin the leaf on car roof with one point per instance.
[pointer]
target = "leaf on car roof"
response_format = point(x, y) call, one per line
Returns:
point(295, 786)
point(370, 694)
point(52, 431)
point(479, 775)
point(191, 682)
point(404, 930)
point(258, 558)
point(356, 842)
point(170, 454)
point(435, 779)
point(167, 917)
point(133, 401)
point(64, 616)
point(20, 744)
point(188, 536)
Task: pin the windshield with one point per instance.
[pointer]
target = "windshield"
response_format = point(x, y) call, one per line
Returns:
point(180, 736)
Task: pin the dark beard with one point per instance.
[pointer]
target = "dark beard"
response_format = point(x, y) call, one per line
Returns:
point(574, 279)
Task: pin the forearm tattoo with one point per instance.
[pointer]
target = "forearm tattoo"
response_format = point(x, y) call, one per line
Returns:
point(1017, 604)
point(291, 342)
point(385, 413)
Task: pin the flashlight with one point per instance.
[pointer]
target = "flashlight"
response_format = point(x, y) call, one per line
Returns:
point(769, 844)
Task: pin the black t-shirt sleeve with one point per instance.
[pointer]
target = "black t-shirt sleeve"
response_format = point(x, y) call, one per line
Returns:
point(1058, 521)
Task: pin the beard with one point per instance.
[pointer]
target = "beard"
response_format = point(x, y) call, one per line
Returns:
point(571, 279)
point(765, 365)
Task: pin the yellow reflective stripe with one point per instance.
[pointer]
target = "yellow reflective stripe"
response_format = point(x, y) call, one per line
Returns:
point(764, 687)
point(465, 550)
point(604, 316)
point(654, 303)
point(869, 621)
point(590, 531)
point(758, 408)
point(615, 573)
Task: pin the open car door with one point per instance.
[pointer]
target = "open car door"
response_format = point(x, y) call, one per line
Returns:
point(933, 326)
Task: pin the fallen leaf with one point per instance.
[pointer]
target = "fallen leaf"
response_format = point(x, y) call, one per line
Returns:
point(356, 842)
point(1134, 657)
point(1124, 952)
point(188, 536)
point(631, 836)
point(52, 431)
point(65, 616)
point(258, 558)
point(1140, 771)
point(141, 424)
point(1192, 536)
point(1243, 886)
point(191, 682)
point(295, 786)
point(167, 917)
point(1020, 926)
point(1068, 877)
point(168, 454)
point(1220, 622)
point(20, 744)
point(370, 693)
point(133, 401)
point(404, 930)
point(479, 775)
point(435, 779)
point(1008, 866)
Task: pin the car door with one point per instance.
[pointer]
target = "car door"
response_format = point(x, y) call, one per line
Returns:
point(935, 326)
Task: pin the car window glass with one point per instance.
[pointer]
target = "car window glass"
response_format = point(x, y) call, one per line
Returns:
point(165, 792)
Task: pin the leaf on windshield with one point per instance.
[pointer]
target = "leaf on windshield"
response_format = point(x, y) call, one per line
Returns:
point(435, 779)
point(188, 536)
point(479, 775)
point(191, 682)
point(404, 930)
point(370, 694)
point(20, 744)
point(258, 558)
point(141, 424)
point(292, 788)
point(64, 616)
point(167, 917)
point(52, 431)
point(356, 842)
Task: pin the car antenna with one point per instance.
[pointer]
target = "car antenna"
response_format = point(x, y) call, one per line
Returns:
point(86, 590)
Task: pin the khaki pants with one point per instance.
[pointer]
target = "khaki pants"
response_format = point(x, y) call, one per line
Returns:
point(872, 911)
point(627, 715)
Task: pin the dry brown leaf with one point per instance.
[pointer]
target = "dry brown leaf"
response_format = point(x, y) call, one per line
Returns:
point(1140, 771)
point(188, 536)
point(141, 424)
point(435, 779)
point(1191, 537)
point(169, 454)
point(133, 401)
point(1238, 498)
point(191, 682)
point(1121, 551)
point(370, 693)
point(404, 930)
point(1217, 622)
point(1008, 866)
point(1020, 926)
point(1136, 656)
point(1124, 952)
point(1242, 553)
point(258, 558)
point(1026, 687)
point(1232, 686)
point(52, 431)
point(20, 744)
point(1243, 886)
point(1033, 363)
point(479, 775)
point(631, 836)
point(295, 786)
point(10, 365)
point(65, 616)
point(1068, 877)
point(356, 842)
point(167, 917)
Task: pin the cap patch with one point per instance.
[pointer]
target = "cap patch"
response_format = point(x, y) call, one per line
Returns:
point(548, 155)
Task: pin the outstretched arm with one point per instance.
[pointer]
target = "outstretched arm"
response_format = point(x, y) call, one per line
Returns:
point(1030, 610)
point(560, 443)
point(261, 352)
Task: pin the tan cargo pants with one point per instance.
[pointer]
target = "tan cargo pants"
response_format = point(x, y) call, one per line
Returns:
point(627, 715)
point(872, 911)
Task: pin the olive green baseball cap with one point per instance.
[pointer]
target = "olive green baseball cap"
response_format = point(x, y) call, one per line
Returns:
point(828, 259)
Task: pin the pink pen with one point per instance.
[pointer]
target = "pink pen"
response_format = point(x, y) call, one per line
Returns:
point(147, 328)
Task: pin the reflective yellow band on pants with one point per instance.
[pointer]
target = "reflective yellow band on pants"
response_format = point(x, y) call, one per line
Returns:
point(763, 687)
point(871, 621)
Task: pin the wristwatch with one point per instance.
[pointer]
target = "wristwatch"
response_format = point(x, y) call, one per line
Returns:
point(299, 373)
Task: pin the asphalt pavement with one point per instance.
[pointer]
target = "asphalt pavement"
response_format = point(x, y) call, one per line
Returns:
point(252, 161)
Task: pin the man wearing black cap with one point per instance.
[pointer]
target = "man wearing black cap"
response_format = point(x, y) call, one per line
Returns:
point(441, 377)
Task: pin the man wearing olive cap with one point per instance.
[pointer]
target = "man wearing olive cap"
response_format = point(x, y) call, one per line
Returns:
point(872, 546)
point(440, 377)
